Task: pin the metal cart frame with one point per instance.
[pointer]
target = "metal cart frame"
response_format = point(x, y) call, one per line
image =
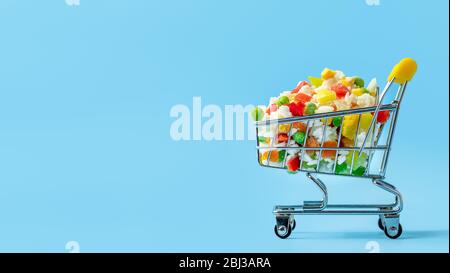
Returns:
point(389, 214)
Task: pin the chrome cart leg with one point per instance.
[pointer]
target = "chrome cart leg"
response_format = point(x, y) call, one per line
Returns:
point(389, 218)
point(381, 217)
point(317, 205)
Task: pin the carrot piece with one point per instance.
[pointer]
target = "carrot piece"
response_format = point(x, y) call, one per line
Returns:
point(300, 126)
point(329, 153)
point(311, 142)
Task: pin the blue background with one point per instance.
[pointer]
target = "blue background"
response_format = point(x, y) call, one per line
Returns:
point(85, 149)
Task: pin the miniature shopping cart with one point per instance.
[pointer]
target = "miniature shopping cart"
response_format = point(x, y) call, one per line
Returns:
point(375, 147)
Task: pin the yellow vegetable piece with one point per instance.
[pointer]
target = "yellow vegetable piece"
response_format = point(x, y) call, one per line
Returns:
point(284, 128)
point(316, 82)
point(291, 97)
point(329, 121)
point(273, 156)
point(327, 73)
point(358, 91)
point(349, 126)
point(366, 119)
point(325, 96)
point(403, 71)
point(348, 81)
point(263, 156)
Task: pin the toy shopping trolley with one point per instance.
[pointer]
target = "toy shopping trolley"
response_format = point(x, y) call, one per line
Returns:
point(362, 150)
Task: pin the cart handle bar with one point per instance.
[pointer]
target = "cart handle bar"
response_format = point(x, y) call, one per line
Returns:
point(401, 73)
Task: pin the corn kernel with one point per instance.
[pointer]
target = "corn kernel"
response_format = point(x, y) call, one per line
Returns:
point(349, 126)
point(283, 128)
point(291, 97)
point(358, 91)
point(327, 73)
point(329, 121)
point(316, 82)
point(348, 81)
point(325, 96)
point(366, 119)
point(264, 156)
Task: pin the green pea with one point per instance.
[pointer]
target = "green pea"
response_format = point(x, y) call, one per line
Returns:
point(281, 155)
point(310, 108)
point(337, 121)
point(299, 137)
point(282, 100)
point(359, 82)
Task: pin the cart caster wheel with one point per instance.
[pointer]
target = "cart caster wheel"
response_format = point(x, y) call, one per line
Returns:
point(282, 231)
point(398, 234)
point(380, 224)
point(293, 224)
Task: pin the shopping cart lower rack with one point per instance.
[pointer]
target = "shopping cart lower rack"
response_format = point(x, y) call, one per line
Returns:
point(376, 144)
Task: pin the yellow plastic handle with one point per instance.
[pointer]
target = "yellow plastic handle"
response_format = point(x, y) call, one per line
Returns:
point(403, 71)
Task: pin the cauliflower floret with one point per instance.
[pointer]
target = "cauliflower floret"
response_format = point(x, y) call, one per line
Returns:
point(339, 75)
point(330, 133)
point(341, 105)
point(326, 165)
point(372, 86)
point(308, 159)
point(326, 84)
point(342, 157)
point(284, 112)
point(360, 138)
point(350, 98)
point(315, 123)
point(324, 109)
point(365, 100)
point(293, 151)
